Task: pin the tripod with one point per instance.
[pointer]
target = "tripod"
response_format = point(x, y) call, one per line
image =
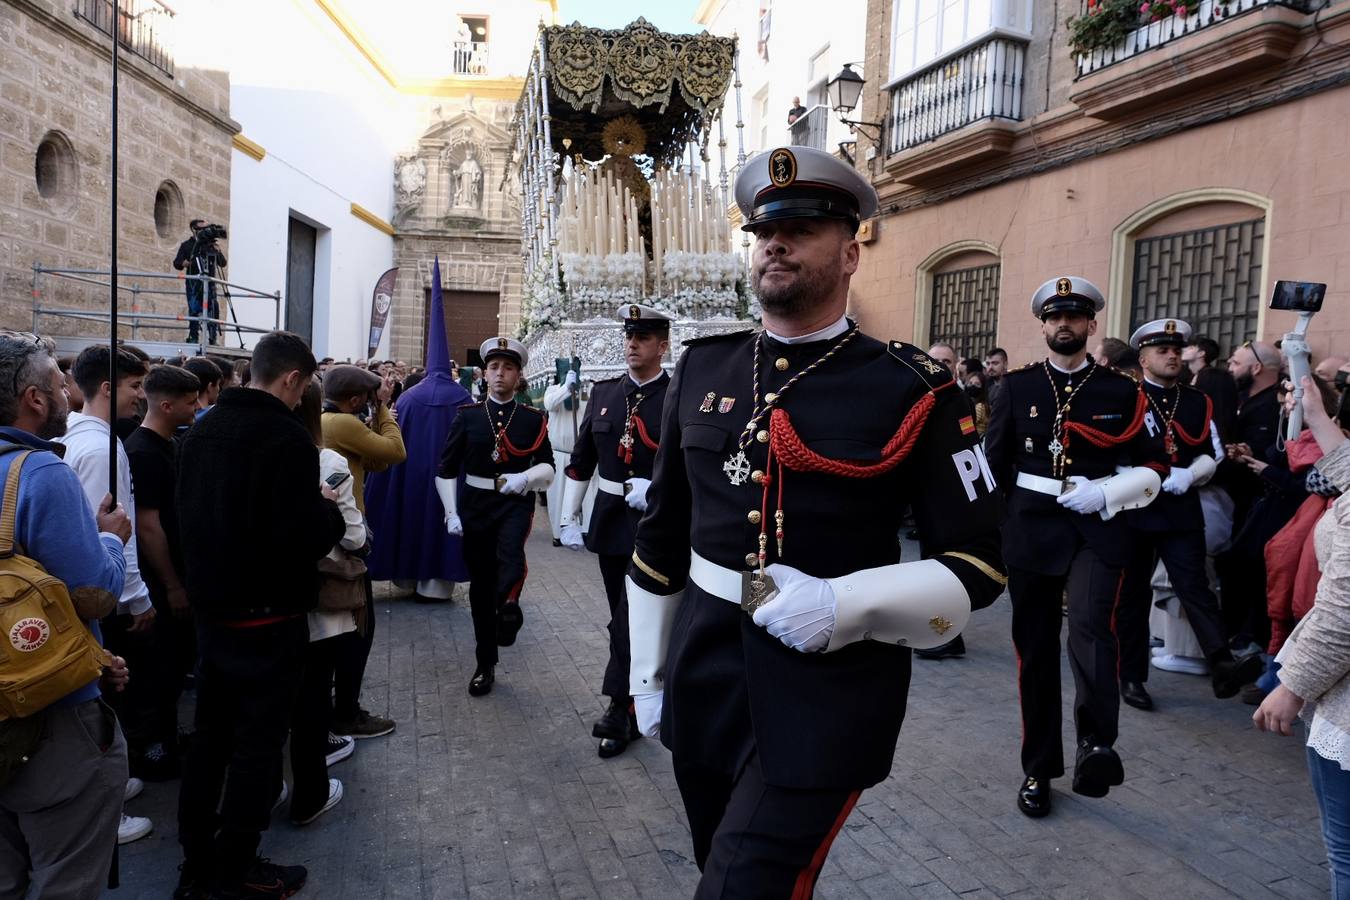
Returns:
point(229, 304)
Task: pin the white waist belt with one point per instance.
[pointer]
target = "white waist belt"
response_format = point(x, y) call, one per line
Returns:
point(1042, 485)
point(483, 484)
point(610, 487)
point(716, 580)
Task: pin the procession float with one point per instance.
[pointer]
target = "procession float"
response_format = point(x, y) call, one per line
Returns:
point(620, 144)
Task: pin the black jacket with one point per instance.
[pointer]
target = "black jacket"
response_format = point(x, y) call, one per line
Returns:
point(1039, 535)
point(816, 720)
point(190, 247)
point(252, 520)
point(1191, 426)
point(613, 522)
point(470, 444)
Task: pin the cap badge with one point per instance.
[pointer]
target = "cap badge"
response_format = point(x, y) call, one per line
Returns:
point(782, 167)
point(1171, 327)
point(940, 625)
point(634, 312)
point(1064, 287)
point(501, 343)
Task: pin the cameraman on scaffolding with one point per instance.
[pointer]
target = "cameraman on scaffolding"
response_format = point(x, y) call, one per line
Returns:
point(198, 256)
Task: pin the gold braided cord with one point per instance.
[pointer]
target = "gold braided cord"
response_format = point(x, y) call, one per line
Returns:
point(651, 573)
point(759, 412)
point(989, 571)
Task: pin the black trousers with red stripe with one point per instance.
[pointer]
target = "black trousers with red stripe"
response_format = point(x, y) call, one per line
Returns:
point(1093, 593)
point(612, 570)
point(753, 839)
point(494, 554)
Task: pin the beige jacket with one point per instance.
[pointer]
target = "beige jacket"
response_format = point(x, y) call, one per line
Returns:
point(367, 448)
point(1316, 659)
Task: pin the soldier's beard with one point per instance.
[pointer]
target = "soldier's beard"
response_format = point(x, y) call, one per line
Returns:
point(799, 294)
point(1066, 346)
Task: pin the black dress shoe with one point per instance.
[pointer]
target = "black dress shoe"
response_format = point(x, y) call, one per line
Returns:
point(481, 683)
point(952, 649)
point(1098, 769)
point(1229, 675)
point(613, 725)
point(1135, 694)
point(610, 748)
point(1033, 797)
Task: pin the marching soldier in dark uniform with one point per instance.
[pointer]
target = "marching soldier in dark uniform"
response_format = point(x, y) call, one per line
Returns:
point(617, 446)
point(771, 617)
point(501, 448)
point(1184, 438)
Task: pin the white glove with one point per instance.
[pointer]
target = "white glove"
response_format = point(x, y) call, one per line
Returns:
point(648, 709)
point(453, 525)
point(515, 483)
point(802, 613)
point(1086, 498)
point(571, 379)
point(571, 538)
point(1179, 481)
point(637, 497)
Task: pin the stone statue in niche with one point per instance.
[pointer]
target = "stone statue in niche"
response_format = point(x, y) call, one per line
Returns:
point(468, 184)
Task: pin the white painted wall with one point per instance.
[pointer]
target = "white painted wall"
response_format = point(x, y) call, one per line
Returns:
point(799, 31)
point(331, 127)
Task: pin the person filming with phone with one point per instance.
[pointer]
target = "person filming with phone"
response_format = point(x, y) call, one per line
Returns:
point(200, 256)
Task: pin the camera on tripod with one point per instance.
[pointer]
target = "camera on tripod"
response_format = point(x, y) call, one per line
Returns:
point(211, 232)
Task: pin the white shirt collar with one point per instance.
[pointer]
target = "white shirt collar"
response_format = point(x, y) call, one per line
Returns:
point(648, 381)
point(493, 400)
point(1081, 366)
point(824, 334)
point(1154, 383)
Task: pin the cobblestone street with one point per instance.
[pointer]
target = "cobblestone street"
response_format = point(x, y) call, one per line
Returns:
point(504, 796)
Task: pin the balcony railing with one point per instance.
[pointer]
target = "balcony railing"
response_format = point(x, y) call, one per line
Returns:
point(470, 57)
point(145, 27)
point(810, 130)
point(1156, 34)
point(982, 82)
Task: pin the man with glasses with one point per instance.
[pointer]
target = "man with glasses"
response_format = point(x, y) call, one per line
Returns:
point(60, 810)
point(1255, 369)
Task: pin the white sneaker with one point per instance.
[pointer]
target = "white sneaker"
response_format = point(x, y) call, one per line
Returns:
point(133, 828)
point(340, 747)
point(134, 788)
point(334, 796)
point(283, 796)
point(1186, 665)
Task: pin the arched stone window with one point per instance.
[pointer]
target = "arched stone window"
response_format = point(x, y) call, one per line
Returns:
point(956, 298)
point(1199, 256)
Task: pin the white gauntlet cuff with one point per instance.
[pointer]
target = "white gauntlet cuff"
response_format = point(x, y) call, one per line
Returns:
point(650, 620)
point(573, 498)
point(1132, 488)
point(538, 478)
point(916, 604)
point(1202, 469)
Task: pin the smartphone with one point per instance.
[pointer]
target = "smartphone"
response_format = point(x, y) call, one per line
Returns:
point(336, 479)
point(1299, 296)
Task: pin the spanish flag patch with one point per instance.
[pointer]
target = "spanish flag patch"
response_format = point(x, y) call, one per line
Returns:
point(967, 425)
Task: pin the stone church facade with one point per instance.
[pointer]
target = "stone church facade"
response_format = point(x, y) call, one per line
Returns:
point(456, 199)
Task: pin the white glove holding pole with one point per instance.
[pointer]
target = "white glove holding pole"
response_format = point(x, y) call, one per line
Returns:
point(802, 613)
point(1085, 498)
point(446, 489)
point(636, 497)
point(571, 379)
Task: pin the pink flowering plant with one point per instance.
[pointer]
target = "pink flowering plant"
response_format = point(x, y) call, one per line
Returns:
point(1105, 23)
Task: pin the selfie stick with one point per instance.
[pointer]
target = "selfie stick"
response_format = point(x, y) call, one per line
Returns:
point(1296, 349)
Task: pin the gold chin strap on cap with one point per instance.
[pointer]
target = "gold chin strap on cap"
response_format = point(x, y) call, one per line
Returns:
point(650, 620)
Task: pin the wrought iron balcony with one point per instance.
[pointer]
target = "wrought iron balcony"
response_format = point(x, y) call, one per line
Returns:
point(811, 129)
point(1155, 34)
point(980, 82)
point(470, 58)
point(145, 27)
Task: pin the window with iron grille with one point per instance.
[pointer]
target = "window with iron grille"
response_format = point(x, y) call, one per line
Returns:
point(965, 310)
point(1211, 278)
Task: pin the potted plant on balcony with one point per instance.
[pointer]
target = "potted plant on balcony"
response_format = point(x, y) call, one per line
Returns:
point(1106, 23)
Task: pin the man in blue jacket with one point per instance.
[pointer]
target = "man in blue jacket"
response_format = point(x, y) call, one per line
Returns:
point(60, 810)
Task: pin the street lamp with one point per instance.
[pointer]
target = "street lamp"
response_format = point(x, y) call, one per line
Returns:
point(844, 90)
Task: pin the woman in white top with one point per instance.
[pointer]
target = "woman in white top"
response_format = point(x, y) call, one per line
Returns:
point(313, 748)
point(1315, 661)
